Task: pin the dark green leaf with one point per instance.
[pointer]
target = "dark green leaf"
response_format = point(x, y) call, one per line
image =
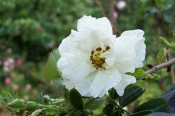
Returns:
point(93, 104)
point(108, 109)
point(132, 92)
point(142, 113)
point(78, 113)
point(76, 99)
point(113, 94)
point(117, 113)
point(154, 105)
point(51, 70)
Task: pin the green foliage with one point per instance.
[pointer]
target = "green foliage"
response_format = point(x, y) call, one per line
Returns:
point(76, 99)
point(166, 43)
point(158, 105)
point(161, 57)
point(142, 113)
point(108, 109)
point(94, 103)
point(31, 106)
point(113, 94)
point(51, 70)
point(32, 31)
point(34, 27)
point(18, 103)
point(139, 73)
point(131, 93)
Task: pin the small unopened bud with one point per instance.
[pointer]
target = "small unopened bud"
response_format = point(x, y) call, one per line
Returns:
point(165, 42)
point(31, 106)
point(18, 103)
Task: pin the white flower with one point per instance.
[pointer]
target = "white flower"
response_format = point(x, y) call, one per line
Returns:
point(93, 60)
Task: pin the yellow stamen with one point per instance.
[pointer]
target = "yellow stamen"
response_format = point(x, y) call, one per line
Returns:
point(97, 61)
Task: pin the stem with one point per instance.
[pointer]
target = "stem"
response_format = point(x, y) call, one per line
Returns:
point(111, 14)
point(119, 106)
point(100, 7)
point(122, 109)
point(58, 101)
point(158, 67)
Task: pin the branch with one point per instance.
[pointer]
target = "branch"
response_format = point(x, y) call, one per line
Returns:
point(100, 7)
point(158, 67)
point(111, 14)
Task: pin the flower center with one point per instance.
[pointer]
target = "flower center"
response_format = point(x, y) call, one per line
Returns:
point(97, 61)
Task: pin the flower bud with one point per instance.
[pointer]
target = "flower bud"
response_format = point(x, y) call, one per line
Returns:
point(31, 106)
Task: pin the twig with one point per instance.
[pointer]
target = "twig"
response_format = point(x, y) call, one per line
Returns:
point(111, 13)
point(158, 67)
point(100, 7)
point(172, 76)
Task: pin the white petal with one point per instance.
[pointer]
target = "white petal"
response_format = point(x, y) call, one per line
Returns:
point(68, 45)
point(83, 86)
point(140, 53)
point(136, 37)
point(103, 81)
point(110, 57)
point(125, 55)
point(90, 23)
point(124, 82)
point(73, 67)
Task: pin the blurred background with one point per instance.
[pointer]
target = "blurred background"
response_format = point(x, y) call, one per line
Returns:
point(31, 29)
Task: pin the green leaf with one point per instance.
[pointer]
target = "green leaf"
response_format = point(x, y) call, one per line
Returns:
point(76, 99)
point(158, 3)
point(17, 103)
point(139, 73)
point(113, 94)
point(158, 104)
point(108, 109)
point(50, 70)
point(77, 113)
point(131, 93)
point(94, 103)
point(142, 113)
point(117, 113)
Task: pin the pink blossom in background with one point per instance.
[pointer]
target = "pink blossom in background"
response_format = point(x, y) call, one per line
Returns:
point(115, 15)
point(7, 80)
point(28, 87)
point(121, 5)
point(26, 98)
point(18, 62)
point(8, 64)
point(15, 87)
